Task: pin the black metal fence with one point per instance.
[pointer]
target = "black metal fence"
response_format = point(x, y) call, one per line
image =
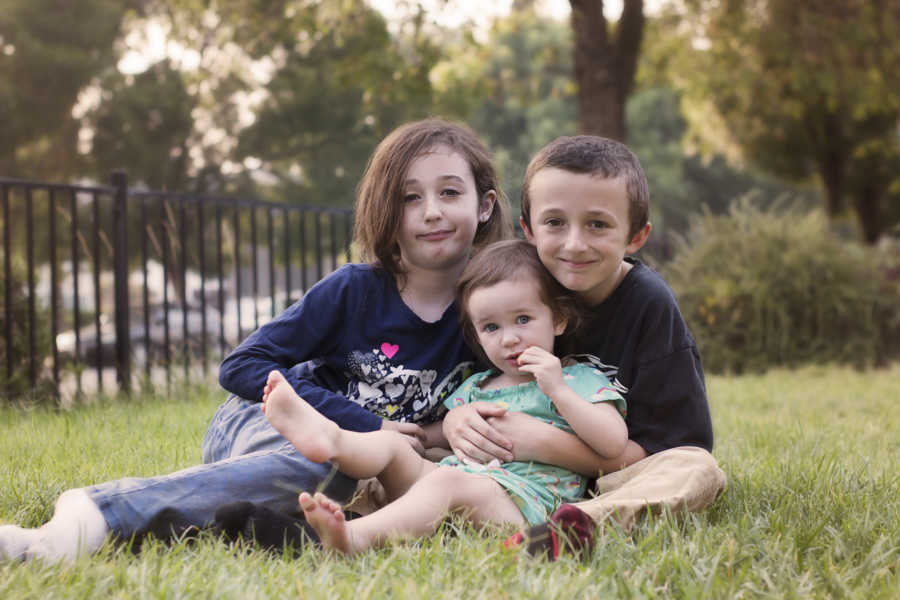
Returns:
point(103, 284)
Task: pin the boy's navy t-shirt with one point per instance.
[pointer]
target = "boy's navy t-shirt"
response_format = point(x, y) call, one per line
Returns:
point(640, 341)
point(355, 336)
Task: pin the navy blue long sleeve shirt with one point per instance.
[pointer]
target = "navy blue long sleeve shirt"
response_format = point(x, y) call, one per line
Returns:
point(353, 330)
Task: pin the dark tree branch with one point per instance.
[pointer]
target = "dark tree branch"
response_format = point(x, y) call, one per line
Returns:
point(629, 35)
point(604, 70)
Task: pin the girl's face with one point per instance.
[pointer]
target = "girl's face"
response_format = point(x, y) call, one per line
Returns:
point(441, 211)
point(509, 317)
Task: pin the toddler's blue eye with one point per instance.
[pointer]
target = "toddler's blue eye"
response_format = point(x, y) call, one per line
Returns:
point(522, 319)
point(490, 327)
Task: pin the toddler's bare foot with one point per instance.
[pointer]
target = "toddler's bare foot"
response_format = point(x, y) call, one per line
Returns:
point(313, 435)
point(327, 518)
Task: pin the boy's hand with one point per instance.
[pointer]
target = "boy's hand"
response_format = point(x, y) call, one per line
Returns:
point(472, 438)
point(526, 433)
point(545, 367)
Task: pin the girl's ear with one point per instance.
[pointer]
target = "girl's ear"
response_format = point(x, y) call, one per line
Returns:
point(486, 206)
point(560, 326)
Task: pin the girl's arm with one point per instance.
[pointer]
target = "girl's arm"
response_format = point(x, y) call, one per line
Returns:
point(304, 331)
point(537, 441)
point(599, 425)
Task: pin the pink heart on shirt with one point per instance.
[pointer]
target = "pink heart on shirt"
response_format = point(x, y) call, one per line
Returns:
point(389, 350)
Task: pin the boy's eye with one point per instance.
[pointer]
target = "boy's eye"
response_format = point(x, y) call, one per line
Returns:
point(554, 222)
point(598, 224)
point(522, 319)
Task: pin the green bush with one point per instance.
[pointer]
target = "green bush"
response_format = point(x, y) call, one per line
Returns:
point(17, 386)
point(887, 260)
point(777, 288)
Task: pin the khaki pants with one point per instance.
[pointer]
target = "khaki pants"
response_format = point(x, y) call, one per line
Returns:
point(684, 478)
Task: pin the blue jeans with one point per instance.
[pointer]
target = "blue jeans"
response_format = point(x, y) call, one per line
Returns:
point(244, 458)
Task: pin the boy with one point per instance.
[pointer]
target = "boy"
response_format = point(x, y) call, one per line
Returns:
point(585, 207)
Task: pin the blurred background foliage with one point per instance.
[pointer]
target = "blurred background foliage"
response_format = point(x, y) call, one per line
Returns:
point(794, 103)
point(764, 288)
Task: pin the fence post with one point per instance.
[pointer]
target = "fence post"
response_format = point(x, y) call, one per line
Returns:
point(120, 278)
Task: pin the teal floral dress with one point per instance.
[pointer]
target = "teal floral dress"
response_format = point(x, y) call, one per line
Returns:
point(536, 488)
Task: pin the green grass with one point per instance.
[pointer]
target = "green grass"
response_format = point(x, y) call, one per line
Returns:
point(812, 509)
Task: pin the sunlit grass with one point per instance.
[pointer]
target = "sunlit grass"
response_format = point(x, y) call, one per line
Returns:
point(812, 509)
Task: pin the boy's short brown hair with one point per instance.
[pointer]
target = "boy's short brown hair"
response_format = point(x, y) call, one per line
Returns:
point(599, 156)
point(502, 261)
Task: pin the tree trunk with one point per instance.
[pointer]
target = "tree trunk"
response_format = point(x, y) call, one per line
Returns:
point(8, 159)
point(832, 159)
point(831, 172)
point(605, 64)
point(866, 203)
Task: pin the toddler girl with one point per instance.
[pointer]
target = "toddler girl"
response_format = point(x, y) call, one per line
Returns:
point(514, 309)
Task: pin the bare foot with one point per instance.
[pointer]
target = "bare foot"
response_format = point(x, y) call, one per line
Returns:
point(327, 518)
point(313, 435)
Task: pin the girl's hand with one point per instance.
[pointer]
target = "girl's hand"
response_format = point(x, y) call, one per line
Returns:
point(414, 434)
point(545, 367)
point(472, 438)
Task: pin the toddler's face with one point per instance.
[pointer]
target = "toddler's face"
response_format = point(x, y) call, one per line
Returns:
point(509, 317)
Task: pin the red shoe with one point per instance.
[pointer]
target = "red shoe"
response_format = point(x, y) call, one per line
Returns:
point(569, 530)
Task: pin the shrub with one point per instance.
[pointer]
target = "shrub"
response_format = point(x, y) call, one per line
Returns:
point(887, 260)
point(776, 288)
point(17, 385)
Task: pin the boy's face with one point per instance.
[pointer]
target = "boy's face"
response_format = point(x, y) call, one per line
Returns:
point(579, 224)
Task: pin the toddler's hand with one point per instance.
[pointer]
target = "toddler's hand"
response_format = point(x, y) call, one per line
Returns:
point(545, 367)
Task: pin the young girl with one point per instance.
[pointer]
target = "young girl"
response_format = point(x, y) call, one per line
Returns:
point(384, 335)
point(514, 309)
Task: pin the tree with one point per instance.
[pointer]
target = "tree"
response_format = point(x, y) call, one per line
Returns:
point(807, 90)
point(143, 126)
point(49, 50)
point(605, 64)
point(343, 84)
point(515, 90)
point(683, 184)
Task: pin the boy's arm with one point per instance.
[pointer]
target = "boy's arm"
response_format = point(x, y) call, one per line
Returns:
point(667, 404)
point(471, 436)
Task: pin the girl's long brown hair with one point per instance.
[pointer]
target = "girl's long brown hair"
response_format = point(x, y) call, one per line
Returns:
point(379, 198)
